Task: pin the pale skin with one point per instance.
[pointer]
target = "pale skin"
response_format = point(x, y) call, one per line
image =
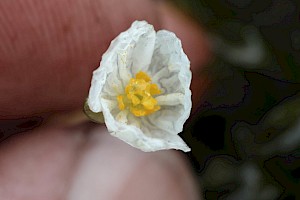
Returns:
point(48, 52)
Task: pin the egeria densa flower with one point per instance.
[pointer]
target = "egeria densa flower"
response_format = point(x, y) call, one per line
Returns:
point(142, 88)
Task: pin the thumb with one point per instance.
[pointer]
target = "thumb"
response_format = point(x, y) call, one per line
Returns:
point(50, 48)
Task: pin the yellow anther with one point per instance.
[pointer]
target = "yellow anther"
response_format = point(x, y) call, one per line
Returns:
point(134, 99)
point(154, 89)
point(137, 112)
point(149, 103)
point(143, 76)
point(138, 97)
point(121, 102)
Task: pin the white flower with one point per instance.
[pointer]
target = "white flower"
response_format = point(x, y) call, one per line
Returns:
point(142, 88)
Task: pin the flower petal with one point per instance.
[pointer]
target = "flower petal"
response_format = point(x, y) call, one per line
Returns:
point(170, 63)
point(172, 99)
point(98, 81)
point(171, 71)
point(129, 52)
point(161, 57)
point(146, 143)
point(144, 47)
point(153, 140)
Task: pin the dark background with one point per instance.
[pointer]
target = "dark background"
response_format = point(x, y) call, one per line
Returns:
point(245, 138)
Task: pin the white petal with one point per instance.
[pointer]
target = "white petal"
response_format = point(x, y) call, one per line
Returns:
point(98, 81)
point(127, 53)
point(172, 99)
point(161, 56)
point(146, 140)
point(170, 68)
point(166, 120)
point(167, 141)
point(146, 143)
point(122, 116)
point(143, 50)
point(170, 63)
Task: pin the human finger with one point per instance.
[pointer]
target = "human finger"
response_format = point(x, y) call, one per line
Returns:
point(84, 162)
point(49, 52)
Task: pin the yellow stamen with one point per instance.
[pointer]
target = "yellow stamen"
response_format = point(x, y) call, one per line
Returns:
point(138, 97)
point(154, 89)
point(143, 76)
point(149, 103)
point(121, 102)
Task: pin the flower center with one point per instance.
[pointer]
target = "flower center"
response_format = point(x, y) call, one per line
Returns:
point(138, 97)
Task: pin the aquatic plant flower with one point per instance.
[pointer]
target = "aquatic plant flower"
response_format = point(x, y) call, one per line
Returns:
point(142, 88)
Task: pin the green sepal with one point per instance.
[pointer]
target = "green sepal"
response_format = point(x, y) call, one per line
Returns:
point(95, 117)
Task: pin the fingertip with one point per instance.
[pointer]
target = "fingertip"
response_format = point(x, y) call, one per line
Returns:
point(49, 52)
